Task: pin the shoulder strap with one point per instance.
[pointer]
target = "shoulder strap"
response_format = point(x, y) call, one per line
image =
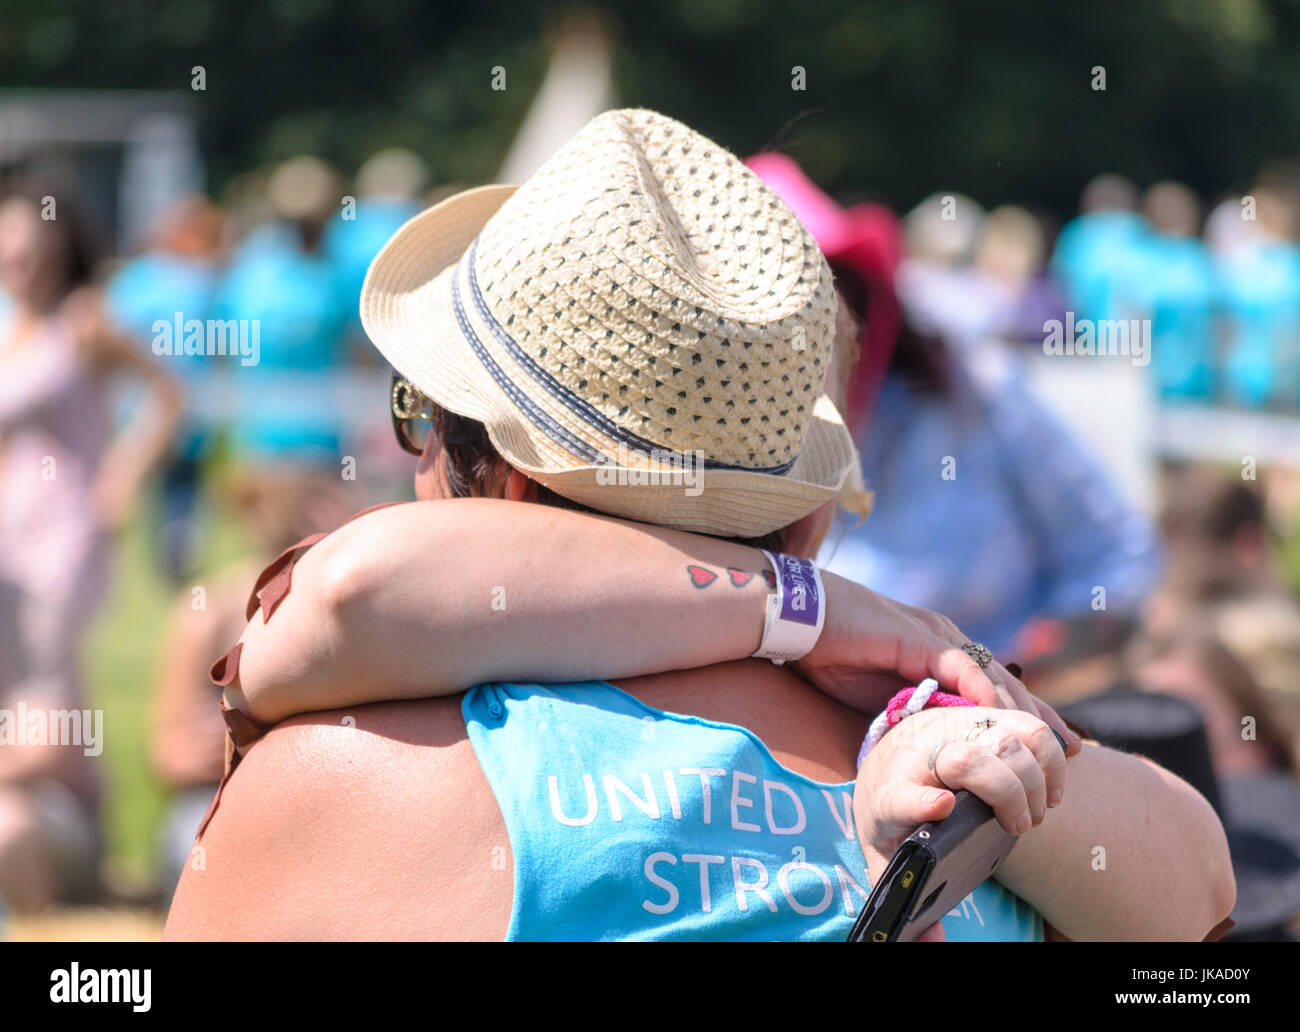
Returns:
point(268, 592)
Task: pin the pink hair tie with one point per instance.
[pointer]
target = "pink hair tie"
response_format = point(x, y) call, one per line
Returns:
point(904, 704)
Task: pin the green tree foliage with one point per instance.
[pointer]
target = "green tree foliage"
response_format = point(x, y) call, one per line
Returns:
point(992, 98)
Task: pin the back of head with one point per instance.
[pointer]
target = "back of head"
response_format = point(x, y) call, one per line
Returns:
point(305, 191)
point(944, 228)
point(393, 173)
point(1215, 529)
point(1172, 209)
point(1208, 504)
point(1011, 244)
point(1109, 192)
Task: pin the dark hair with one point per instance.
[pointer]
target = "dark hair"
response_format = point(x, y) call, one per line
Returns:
point(919, 358)
point(471, 465)
point(81, 238)
point(1212, 505)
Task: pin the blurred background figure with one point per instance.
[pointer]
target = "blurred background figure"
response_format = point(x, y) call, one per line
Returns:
point(975, 482)
point(1219, 543)
point(1223, 569)
point(66, 483)
point(1259, 280)
point(388, 189)
point(177, 273)
point(1248, 733)
point(1095, 253)
point(1010, 257)
point(1173, 285)
point(282, 284)
point(934, 280)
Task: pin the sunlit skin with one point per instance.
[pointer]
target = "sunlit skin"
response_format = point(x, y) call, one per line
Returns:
point(349, 798)
point(347, 781)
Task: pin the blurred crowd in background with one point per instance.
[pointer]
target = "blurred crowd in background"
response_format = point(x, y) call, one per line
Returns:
point(132, 473)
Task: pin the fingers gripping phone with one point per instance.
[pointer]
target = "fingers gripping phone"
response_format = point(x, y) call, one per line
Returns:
point(933, 870)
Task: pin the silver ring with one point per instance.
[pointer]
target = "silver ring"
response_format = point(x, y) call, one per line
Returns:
point(978, 728)
point(934, 756)
point(980, 653)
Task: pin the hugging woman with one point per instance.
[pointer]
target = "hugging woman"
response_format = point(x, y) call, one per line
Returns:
point(585, 734)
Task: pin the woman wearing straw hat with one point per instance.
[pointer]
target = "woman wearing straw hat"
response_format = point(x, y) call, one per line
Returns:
point(642, 330)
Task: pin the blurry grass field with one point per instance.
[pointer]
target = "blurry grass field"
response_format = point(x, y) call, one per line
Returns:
point(121, 662)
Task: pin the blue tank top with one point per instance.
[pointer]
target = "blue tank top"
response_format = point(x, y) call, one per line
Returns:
point(627, 822)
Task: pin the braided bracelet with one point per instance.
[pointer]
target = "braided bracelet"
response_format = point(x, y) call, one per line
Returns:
point(904, 704)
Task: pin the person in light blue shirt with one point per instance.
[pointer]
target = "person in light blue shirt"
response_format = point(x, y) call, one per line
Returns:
point(291, 296)
point(747, 848)
point(387, 188)
point(1259, 288)
point(1095, 252)
point(286, 290)
point(988, 510)
point(1171, 282)
point(177, 274)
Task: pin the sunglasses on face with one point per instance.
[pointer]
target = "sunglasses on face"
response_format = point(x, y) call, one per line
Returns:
point(412, 416)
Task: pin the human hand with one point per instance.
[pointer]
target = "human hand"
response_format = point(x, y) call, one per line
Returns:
point(871, 646)
point(1008, 758)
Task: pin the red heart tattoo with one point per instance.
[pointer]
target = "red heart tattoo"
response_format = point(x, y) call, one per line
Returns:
point(701, 577)
point(739, 577)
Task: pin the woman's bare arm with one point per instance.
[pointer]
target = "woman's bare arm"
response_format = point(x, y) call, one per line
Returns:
point(1133, 852)
point(1130, 852)
point(433, 597)
point(140, 445)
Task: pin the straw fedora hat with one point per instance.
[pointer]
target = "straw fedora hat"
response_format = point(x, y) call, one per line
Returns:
point(642, 326)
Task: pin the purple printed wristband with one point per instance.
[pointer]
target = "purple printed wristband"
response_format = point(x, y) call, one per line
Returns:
point(796, 613)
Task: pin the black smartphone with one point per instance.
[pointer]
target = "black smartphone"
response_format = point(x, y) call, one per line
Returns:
point(933, 870)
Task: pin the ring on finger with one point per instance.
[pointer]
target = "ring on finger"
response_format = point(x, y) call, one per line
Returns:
point(979, 653)
point(934, 756)
point(979, 727)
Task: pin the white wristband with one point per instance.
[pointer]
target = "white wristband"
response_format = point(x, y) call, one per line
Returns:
point(796, 613)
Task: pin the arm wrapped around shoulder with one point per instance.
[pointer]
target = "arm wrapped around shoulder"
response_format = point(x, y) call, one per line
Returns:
point(1132, 853)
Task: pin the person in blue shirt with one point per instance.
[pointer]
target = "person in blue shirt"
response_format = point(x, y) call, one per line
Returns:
point(387, 186)
point(715, 803)
point(1172, 284)
point(1094, 252)
point(988, 510)
point(1259, 289)
point(285, 291)
point(178, 272)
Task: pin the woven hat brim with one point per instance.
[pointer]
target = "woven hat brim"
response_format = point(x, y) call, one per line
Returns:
point(407, 311)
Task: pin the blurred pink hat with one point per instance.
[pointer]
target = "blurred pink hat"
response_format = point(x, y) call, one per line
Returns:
point(866, 241)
